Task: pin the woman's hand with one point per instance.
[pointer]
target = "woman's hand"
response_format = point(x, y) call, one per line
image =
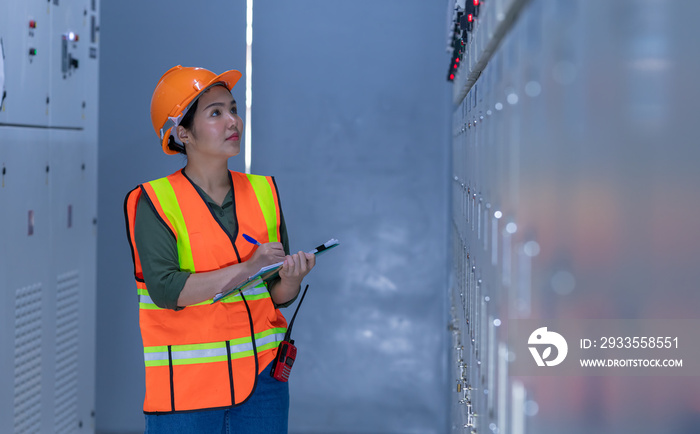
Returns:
point(297, 266)
point(267, 254)
point(293, 270)
point(204, 286)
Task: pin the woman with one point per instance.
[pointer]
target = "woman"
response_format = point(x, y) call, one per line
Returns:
point(208, 364)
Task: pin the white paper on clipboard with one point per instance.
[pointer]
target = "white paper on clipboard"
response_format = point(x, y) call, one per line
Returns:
point(270, 271)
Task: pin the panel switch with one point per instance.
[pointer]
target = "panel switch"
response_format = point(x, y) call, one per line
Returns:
point(68, 47)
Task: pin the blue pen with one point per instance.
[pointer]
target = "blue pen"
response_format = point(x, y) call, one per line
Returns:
point(251, 239)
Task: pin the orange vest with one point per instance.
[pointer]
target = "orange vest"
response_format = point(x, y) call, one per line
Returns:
point(203, 356)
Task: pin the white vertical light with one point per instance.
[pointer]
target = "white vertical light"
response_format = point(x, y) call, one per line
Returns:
point(248, 80)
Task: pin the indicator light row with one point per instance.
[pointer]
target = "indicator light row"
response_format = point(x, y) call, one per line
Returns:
point(464, 24)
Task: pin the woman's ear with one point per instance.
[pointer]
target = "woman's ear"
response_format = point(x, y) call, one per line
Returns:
point(183, 134)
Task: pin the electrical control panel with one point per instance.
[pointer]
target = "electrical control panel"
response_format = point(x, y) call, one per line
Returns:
point(25, 40)
point(47, 51)
point(48, 214)
point(573, 189)
point(485, 399)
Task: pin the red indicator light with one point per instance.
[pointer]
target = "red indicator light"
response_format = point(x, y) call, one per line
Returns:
point(455, 66)
point(457, 60)
point(476, 2)
point(452, 76)
point(32, 24)
point(470, 18)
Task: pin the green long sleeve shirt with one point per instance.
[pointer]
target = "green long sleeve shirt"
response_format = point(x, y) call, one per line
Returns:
point(158, 250)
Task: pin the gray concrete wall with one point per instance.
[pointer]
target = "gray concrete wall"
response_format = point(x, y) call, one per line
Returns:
point(350, 114)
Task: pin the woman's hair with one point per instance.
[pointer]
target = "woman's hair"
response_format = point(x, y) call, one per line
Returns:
point(186, 123)
point(188, 119)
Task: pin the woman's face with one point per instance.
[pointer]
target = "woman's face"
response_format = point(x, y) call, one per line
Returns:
point(217, 128)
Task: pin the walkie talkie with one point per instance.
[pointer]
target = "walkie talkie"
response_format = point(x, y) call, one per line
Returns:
point(282, 365)
point(287, 352)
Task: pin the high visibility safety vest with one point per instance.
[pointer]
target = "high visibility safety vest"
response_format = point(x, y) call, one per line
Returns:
point(207, 355)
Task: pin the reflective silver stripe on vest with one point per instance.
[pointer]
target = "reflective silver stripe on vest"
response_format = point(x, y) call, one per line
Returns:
point(250, 294)
point(260, 342)
point(150, 357)
point(276, 337)
point(254, 293)
point(212, 352)
point(260, 289)
point(199, 354)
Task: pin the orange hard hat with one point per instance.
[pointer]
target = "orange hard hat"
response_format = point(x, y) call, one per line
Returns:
point(175, 92)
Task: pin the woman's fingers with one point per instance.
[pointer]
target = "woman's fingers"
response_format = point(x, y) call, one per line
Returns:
point(310, 260)
point(297, 264)
point(300, 263)
point(273, 251)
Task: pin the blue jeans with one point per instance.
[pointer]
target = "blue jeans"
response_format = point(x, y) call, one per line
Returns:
point(267, 411)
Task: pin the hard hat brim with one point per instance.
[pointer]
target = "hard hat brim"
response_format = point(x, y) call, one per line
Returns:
point(166, 148)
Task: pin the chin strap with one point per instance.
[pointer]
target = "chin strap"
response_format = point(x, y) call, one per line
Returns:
point(175, 146)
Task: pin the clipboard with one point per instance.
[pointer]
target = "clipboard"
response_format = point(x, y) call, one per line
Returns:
point(270, 271)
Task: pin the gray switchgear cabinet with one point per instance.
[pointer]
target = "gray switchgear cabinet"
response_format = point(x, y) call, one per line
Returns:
point(48, 205)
